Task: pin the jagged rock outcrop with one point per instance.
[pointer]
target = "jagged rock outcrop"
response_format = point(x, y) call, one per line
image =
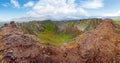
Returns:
point(17, 47)
point(101, 45)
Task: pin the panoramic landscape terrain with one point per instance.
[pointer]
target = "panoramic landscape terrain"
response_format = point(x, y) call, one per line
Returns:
point(77, 41)
point(59, 31)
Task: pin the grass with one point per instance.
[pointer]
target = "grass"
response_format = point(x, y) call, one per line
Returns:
point(50, 26)
point(53, 38)
point(117, 20)
point(49, 36)
point(48, 32)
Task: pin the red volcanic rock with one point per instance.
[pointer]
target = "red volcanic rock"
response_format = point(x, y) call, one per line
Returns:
point(100, 45)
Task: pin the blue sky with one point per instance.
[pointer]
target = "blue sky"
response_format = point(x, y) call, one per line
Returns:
point(57, 9)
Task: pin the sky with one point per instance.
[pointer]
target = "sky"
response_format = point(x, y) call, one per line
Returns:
point(57, 9)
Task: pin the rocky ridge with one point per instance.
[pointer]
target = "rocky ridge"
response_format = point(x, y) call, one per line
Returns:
point(100, 45)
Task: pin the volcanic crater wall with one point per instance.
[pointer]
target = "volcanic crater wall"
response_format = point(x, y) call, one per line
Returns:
point(100, 45)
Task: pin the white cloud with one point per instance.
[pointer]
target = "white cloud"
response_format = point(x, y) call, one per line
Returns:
point(15, 3)
point(5, 5)
point(113, 14)
point(29, 4)
point(57, 9)
point(92, 4)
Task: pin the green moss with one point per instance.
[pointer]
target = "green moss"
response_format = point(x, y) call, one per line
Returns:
point(70, 24)
point(53, 38)
point(50, 26)
point(117, 20)
point(50, 31)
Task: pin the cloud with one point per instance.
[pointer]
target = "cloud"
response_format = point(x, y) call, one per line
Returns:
point(5, 5)
point(92, 4)
point(113, 14)
point(57, 9)
point(15, 3)
point(29, 4)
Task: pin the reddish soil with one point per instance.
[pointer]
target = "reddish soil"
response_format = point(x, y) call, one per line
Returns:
point(100, 45)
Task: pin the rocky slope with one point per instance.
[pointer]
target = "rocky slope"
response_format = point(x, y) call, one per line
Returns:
point(60, 26)
point(100, 45)
point(64, 31)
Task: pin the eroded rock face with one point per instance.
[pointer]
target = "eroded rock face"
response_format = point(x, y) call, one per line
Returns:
point(96, 46)
point(17, 47)
point(100, 45)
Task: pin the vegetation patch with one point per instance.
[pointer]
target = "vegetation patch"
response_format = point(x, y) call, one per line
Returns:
point(48, 37)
